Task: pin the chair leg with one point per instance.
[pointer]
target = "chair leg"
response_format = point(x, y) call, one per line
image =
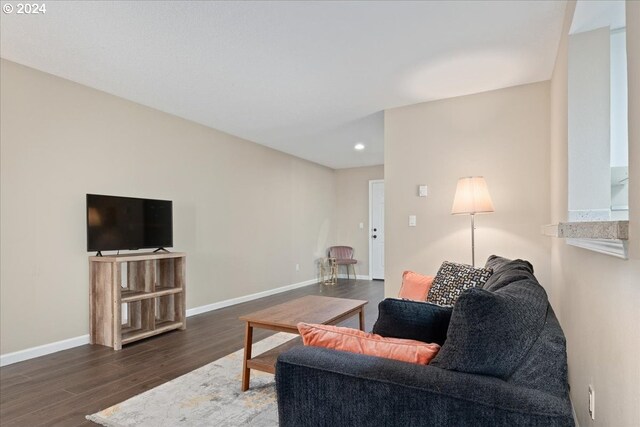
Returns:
point(334, 274)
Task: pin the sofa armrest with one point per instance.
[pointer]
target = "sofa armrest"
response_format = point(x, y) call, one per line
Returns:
point(413, 320)
point(322, 387)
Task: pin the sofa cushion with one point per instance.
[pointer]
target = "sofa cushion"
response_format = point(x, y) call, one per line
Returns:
point(412, 320)
point(491, 332)
point(415, 286)
point(452, 279)
point(506, 271)
point(360, 342)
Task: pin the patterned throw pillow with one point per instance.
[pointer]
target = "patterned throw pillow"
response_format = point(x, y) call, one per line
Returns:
point(454, 278)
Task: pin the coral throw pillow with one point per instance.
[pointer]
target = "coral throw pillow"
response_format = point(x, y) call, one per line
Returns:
point(415, 286)
point(356, 341)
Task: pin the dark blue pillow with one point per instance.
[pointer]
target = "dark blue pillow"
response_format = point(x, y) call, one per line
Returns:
point(506, 271)
point(491, 332)
point(412, 320)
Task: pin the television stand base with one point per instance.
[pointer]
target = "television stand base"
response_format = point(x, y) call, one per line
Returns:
point(99, 253)
point(161, 250)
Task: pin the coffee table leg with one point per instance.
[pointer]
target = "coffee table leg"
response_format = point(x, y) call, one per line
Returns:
point(248, 342)
point(362, 318)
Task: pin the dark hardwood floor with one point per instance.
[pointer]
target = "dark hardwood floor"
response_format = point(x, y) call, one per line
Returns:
point(61, 388)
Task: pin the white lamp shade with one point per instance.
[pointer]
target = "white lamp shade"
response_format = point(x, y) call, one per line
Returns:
point(472, 196)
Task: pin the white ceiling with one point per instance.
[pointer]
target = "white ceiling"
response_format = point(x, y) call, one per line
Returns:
point(307, 78)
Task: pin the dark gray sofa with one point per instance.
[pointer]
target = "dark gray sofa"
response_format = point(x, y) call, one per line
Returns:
point(503, 363)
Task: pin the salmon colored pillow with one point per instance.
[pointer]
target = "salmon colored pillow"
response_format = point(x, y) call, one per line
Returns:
point(356, 341)
point(415, 286)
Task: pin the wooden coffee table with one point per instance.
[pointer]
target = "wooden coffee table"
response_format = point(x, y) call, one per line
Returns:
point(284, 318)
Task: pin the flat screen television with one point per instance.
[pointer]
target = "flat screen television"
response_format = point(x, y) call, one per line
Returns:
point(115, 223)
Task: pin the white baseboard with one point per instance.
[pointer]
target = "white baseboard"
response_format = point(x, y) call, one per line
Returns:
point(233, 301)
point(358, 276)
point(42, 350)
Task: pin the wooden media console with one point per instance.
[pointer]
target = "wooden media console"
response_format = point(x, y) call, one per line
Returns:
point(154, 295)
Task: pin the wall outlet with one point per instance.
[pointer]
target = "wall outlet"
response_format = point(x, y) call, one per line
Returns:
point(412, 220)
point(592, 402)
point(297, 267)
point(362, 226)
point(422, 191)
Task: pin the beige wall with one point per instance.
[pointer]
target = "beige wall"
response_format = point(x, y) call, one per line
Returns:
point(245, 214)
point(502, 135)
point(597, 296)
point(352, 208)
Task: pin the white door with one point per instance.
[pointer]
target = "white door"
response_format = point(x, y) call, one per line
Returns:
point(376, 229)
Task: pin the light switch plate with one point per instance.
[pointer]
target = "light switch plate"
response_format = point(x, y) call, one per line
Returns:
point(422, 191)
point(412, 220)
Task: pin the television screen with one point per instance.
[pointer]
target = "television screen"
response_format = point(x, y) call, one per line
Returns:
point(115, 223)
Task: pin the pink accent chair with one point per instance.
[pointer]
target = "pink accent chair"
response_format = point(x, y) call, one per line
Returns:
point(343, 255)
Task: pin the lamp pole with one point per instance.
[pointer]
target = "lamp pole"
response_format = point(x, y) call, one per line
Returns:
point(473, 242)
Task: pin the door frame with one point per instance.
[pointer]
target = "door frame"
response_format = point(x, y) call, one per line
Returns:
point(371, 182)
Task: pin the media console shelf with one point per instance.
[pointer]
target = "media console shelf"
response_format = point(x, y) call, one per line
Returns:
point(153, 292)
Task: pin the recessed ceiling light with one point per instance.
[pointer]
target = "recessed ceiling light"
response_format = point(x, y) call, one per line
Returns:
point(359, 146)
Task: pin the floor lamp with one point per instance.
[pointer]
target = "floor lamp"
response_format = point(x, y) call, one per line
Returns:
point(472, 197)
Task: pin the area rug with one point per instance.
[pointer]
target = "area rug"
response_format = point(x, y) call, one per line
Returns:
point(208, 396)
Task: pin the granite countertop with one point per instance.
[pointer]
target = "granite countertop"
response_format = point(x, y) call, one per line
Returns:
point(614, 230)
